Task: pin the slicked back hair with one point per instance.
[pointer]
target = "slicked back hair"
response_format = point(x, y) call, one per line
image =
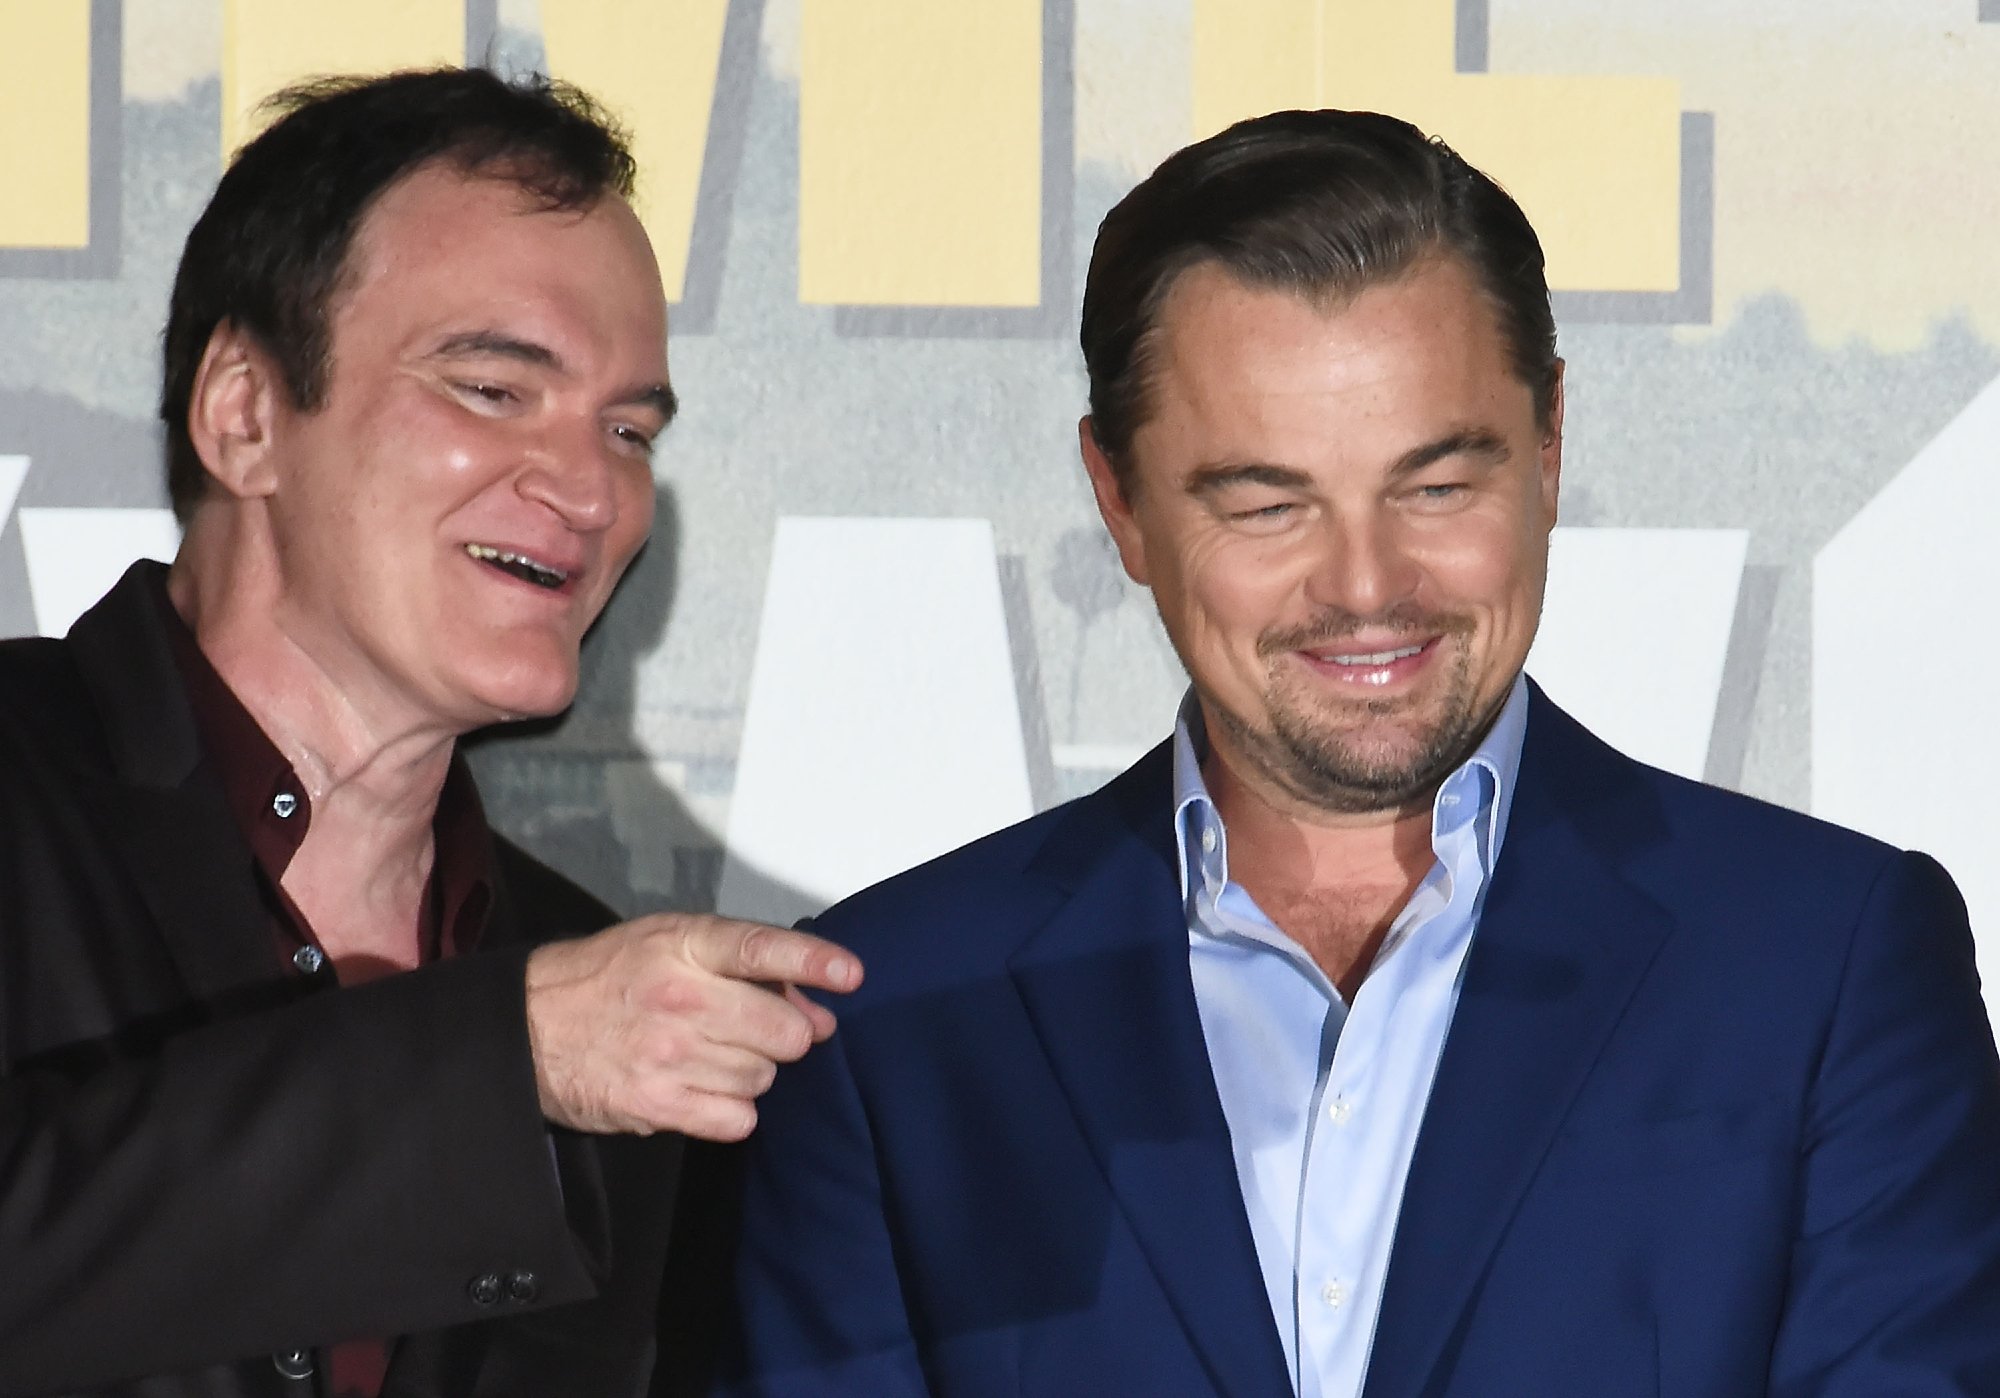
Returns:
point(1319, 204)
point(269, 253)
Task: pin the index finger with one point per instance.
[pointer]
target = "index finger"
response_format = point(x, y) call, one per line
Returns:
point(753, 952)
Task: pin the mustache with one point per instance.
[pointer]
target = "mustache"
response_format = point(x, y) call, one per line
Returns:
point(1400, 622)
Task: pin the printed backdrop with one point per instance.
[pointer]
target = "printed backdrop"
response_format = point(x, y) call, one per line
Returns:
point(878, 616)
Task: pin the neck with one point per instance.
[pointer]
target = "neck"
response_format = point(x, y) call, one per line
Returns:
point(1278, 847)
point(373, 773)
point(1333, 883)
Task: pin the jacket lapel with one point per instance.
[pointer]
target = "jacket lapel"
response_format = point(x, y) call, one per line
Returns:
point(162, 806)
point(1563, 944)
point(1106, 986)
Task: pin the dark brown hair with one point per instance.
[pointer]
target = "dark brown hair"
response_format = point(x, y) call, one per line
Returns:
point(1322, 204)
point(268, 253)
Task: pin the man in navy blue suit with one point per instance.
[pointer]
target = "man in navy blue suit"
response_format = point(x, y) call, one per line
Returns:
point(1383, 1032)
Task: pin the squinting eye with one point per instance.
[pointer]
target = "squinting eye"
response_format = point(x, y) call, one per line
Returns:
point(487, 392)
point(1278, 511)
point(632, 436)
point(1439, 492)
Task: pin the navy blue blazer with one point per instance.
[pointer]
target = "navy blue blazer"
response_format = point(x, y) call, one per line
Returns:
point(1719, 1114)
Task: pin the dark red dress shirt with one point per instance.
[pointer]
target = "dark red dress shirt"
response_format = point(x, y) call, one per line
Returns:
point(273, 810)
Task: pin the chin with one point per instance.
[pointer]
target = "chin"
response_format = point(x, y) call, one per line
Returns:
point(525, 694)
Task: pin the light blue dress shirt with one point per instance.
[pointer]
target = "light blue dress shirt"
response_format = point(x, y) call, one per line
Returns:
point(1323, 1098)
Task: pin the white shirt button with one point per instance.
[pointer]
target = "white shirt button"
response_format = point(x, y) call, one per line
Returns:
point(283, 804)
point(1208, 839)
point(1334, 1295)
point(1339, 1111)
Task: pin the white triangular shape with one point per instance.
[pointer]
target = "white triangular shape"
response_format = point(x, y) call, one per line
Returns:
point(882, 727)
point(1635, 634)
point(13, 470)
point(75, 555)
point(1904, 666)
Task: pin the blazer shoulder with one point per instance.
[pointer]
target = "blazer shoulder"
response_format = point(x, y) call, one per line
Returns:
point(1687, 835)
point(990, 892)
point(43, 696)
point(52, 735)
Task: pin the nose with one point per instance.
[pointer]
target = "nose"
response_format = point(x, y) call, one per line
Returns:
point(570, 472)
point(1363, 566)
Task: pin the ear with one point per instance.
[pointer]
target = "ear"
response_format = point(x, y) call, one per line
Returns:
point(1552, 449)
point(233, 412)
point(1112, 505)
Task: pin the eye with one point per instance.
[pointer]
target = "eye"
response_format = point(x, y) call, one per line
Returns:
point(1440, 493)
point(1277, 510)
point(638, 439)
point(481, 391)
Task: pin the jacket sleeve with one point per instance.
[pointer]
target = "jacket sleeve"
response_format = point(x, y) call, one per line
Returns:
point(1895, 1283)
point(818, 1307)
point(341, 1166)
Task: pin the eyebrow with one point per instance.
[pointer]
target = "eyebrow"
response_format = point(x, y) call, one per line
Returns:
point(658, 397)
point(1471, 441)
point(1467, 441)
point(491, 344)
point(1206, 480)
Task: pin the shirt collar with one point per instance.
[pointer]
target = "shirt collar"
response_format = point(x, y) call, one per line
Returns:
point(273, 809)
point(1481, 788)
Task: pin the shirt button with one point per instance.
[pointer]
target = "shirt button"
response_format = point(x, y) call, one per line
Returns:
point(293, 1363)
point(1208, 840)
point(283, 804)
point(523, 1286)
point(486, 1289)
point(1334, 1294)
point(1339, 1110)
point(308, 960)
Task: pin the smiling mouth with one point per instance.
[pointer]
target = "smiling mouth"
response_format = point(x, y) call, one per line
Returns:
point(519, 566)
point(1370, 659)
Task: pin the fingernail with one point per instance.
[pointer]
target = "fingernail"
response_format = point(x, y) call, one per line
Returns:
point(842, 970)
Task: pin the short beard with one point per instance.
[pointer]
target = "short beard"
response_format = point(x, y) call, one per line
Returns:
point(1305, 754)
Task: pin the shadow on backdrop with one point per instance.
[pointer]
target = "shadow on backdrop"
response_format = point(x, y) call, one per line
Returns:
point(582, 792)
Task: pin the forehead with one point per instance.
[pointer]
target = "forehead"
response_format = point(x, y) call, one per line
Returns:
point(1402, 355)
point(440, 246)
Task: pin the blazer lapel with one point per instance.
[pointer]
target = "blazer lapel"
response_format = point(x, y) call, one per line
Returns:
point(1106, 986)
point(1563, 943)
point(162, 805)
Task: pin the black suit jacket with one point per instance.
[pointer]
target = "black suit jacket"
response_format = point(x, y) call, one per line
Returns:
point(206, 1159)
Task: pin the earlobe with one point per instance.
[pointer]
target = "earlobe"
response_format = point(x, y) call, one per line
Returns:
point(232, 413)
point(1112, 505)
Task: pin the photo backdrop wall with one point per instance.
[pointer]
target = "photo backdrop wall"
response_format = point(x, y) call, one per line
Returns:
point(878, 616)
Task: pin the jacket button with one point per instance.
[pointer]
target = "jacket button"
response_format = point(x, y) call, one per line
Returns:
point(293, 1363)
point(486, 1289)
point(523, 1287)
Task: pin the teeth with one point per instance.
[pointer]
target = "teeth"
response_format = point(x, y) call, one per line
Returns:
point(1380, 657)
point(520, 566)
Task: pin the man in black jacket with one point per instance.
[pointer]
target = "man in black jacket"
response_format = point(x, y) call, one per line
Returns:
point(310, 1084)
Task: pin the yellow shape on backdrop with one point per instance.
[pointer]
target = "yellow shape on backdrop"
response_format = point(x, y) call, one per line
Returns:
point(653, 63)
point(45, 124)
point(920, 152)
point(269, 43)
point(1595, 161)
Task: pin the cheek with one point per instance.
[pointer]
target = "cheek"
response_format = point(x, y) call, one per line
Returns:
point(636, 501)
point(1487, 564)
point(1237, 589)
point(420, 453)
